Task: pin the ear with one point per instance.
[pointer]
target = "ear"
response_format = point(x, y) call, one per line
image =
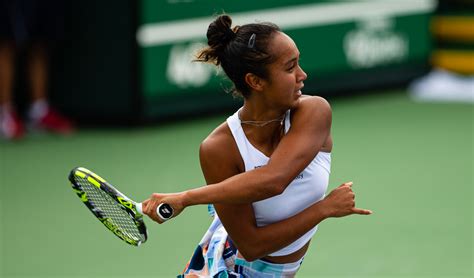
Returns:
point(255, 82)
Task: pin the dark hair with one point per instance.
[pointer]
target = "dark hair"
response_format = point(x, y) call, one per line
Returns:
point(239, 50)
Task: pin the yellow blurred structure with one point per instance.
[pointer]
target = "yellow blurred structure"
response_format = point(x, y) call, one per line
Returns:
point(460, 61)
point(454, 34)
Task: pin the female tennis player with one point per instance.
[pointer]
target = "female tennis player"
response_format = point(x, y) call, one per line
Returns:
point(267, 167)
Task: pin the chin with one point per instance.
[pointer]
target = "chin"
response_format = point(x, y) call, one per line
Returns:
point(295, 102)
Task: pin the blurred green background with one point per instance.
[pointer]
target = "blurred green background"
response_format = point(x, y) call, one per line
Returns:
point(411, 164)
point(398, 74)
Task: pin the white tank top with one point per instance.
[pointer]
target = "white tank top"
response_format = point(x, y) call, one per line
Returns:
point(306, 189)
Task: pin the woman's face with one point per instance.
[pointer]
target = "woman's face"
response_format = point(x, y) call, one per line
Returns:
point(285, 80)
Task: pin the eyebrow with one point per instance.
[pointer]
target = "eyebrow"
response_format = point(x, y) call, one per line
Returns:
point(291, 61)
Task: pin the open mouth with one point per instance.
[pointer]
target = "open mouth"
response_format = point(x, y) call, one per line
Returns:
point(299, 90)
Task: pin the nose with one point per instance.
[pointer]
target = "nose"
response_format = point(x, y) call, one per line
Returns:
point(301, 74)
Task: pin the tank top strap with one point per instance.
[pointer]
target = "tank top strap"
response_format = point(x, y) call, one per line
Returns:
point(287, 121)
point(251, 156)
point(238, 133)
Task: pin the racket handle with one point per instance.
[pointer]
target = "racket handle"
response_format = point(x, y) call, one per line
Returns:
point(164, 211)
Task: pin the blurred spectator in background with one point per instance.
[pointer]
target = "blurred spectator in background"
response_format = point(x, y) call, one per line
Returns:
point(31, 27)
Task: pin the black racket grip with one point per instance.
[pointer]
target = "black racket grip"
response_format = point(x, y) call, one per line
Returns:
point(164, 211)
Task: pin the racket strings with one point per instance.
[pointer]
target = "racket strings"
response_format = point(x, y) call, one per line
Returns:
point(109, 208)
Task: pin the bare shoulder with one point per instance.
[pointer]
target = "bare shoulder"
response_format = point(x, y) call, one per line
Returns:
point(312, 108)
point(219, 150)
point(314, 103)
point(216, 140)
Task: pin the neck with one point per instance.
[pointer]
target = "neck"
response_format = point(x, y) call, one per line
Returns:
point(263, 134)
point(260, 112)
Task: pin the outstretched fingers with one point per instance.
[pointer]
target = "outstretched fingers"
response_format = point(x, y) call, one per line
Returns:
point(354, 209)
point(361, 211)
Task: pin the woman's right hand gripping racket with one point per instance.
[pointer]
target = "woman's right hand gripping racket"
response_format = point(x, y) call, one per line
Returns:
point(117, 212)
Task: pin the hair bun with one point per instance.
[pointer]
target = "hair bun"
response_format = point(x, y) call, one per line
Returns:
point(219, 33)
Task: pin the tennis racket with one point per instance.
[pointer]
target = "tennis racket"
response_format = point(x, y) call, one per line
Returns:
point(117, 212)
